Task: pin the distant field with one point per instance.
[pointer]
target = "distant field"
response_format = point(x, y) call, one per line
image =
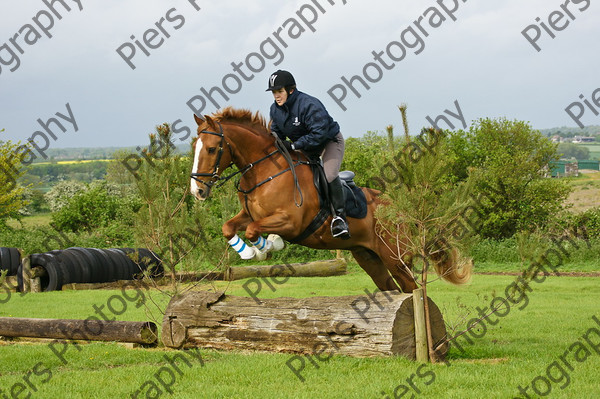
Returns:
point(76, 161)
point(594, 150)
point(42, 219)
point(586, 191)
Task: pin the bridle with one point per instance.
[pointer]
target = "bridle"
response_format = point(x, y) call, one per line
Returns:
point(215, 173)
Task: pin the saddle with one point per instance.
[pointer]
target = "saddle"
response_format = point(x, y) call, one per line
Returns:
point(355, 199)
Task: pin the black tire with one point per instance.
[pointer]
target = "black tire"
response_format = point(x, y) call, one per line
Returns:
point(50, 282)
point(5, 261)
point(79, 260)
point(90, 262)
point(20, 278)
point(135, 269)
point(117, 271)
point(109, 269)
point(15, 260)
point(63, 273)
point(71, 265)
point(123, 264)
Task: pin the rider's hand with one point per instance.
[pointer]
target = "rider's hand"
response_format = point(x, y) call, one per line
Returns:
point(288, 145)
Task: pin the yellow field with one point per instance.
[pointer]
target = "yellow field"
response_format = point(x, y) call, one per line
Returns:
point(73, 161)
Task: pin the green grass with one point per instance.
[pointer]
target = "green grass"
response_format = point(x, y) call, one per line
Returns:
point(40, 219)
point(594, 150)
point(514, 351)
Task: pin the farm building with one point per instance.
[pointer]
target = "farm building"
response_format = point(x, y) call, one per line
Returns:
point(589, 165)
point(563, 168)
point(581, 139)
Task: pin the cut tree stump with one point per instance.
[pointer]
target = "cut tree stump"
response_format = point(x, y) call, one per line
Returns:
point(367, 325)
point(140, 332)
point(319, 268)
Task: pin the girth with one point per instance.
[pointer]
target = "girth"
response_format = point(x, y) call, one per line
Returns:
point(324, 210)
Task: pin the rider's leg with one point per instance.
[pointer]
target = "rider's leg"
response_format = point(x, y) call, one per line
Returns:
point(332, 160)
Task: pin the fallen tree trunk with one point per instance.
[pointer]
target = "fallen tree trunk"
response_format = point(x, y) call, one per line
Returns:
point(367, 325)
point(320, 268)
point(88, 330)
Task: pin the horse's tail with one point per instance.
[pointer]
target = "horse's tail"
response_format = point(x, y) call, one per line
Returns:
point(453, 268)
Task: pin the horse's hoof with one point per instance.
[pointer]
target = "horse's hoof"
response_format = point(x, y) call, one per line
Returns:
point(277, 241)
point(258, 255)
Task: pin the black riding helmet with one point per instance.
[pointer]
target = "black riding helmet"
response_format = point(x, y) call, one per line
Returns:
point(280, 79)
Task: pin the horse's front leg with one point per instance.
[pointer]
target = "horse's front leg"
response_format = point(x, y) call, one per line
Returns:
point(238, 223)
point(278, 223)
point(260, 246)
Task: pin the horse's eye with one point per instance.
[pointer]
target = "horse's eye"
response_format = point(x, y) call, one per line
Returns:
point(212, 150)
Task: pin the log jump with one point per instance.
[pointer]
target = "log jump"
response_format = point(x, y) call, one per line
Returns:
point(380, 324)
point(318, 268)
point(139, 332)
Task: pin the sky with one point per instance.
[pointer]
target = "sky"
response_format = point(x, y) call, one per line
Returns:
point(467, 58)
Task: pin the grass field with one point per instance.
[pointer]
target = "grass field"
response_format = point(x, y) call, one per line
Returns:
point(528, 342)
point(586, 191)
point(594, 150)
point(41, 219)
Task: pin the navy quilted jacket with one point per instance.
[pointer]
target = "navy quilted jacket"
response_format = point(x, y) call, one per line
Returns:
point(305, 121)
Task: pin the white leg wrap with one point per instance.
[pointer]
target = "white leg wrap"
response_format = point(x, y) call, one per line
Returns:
point(262, 244)
point(277, 241)
point(245, 251)
point(261, 248)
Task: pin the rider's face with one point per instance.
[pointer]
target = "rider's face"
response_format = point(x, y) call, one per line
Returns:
point(280, 96)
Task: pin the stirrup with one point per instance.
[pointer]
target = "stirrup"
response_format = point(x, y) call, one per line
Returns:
point(342, 227)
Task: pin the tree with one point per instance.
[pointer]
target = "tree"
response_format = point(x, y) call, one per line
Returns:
point(119, 169)
point(360, 156)
point(169, 222)
point(12, 198)
point(424, 208)
point(507, 160)
point(61, 193)
point(570, 150)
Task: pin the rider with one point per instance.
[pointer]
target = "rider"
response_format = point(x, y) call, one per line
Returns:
point(305, 121)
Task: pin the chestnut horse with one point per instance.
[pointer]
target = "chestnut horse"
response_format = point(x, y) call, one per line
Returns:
point(271, 201)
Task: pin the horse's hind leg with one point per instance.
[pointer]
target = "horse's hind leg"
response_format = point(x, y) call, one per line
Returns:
point(400, 272)
point(372, 264)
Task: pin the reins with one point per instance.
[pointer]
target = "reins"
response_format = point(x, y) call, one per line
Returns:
point(286, 155)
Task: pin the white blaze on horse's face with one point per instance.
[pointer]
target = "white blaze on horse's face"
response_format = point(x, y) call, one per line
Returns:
point(194, 185)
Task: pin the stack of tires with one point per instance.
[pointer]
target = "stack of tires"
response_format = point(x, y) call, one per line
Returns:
point(92, 265)
point(10, 259)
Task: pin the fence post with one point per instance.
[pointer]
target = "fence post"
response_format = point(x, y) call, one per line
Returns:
point(422, 354)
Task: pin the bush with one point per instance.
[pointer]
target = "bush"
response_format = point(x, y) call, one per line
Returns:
point(507, 159)
point(60, 194)
point(590, 220)
point(98, 205)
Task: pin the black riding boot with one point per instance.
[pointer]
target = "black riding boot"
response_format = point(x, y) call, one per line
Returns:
point(339, 226)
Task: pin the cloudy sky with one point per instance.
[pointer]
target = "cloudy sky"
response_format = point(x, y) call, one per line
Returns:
point(475, 55)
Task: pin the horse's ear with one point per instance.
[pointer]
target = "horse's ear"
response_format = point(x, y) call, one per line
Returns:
point(209, 121)
point(198, 120)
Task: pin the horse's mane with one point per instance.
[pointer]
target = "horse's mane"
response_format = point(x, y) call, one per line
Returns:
point(243, 117)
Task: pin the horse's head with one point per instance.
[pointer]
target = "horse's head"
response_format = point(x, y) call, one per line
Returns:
point(211, 156)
